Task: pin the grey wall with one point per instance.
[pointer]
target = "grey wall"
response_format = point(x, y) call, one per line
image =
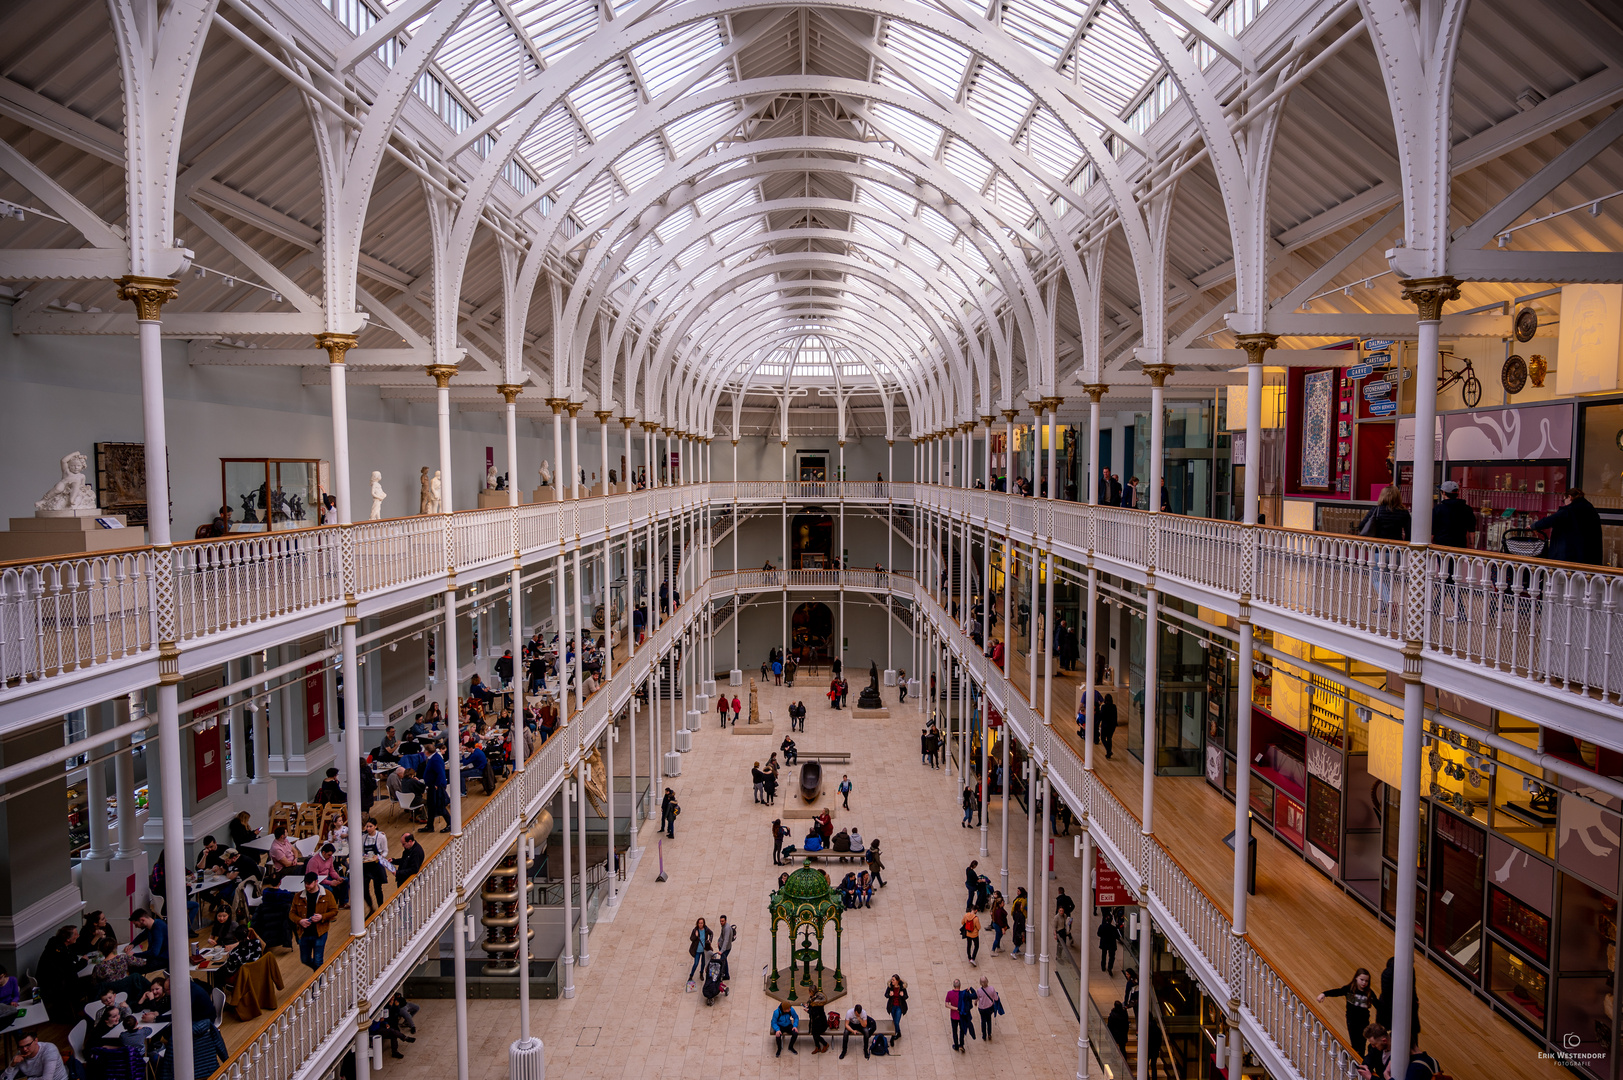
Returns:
point(68, 393)
point(761, 458)
point(761, 628)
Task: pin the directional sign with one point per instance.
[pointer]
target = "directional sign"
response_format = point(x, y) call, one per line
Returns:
point(1382, 408)
point(1362, 371)
point(1377, 390)
point(1376, 346)
point(1380, 359)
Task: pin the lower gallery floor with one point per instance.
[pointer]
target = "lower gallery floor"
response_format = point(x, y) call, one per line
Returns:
point(632, 1016)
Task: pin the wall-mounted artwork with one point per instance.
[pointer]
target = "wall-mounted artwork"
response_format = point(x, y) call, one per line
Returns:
point(1318, 404)
point(121, 480)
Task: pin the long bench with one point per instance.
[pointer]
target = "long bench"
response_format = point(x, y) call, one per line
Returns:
point(832, 757)
point(829, 853)
point(887, 1027)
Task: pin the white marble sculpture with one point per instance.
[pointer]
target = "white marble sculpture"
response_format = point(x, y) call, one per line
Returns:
point(424, 498)
point(71, 495)
point(378, 495)
point(546, 473)
point(490, 478)
point(434, 494)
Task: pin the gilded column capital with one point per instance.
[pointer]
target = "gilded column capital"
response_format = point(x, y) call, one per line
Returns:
point(1096, 391)
point(1255, 345)
point(1157, 373)
point(557, 404)
point(148, 294)
point(1009, 415)
point(336, 345)
point(510, 391)
point(987, 420)
point(604, 416)
point(649, 425)
point(441, 374)
point(1430, 294)
point(575, 407)
point(629, 421)
point(1052, 404)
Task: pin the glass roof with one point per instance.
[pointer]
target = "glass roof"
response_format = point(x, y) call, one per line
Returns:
point(501, 43)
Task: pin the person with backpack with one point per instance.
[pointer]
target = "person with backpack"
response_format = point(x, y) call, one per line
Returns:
point(970, 931)
point(864, 1026)
point(875, 861)
point(668, 809)
point(896, 1003)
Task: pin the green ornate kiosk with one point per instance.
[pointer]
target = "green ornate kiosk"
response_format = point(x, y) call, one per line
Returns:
point(806, 904)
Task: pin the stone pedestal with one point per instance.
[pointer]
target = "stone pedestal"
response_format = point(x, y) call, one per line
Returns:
point(735, 677)
point(709, 687)
point(673, 760)
point(491, 498)
point(546, 495)
point(701, 703)
point(889, 677)
point(693, 719)
point(913, 689)
point(684, 740)
point(45, 537)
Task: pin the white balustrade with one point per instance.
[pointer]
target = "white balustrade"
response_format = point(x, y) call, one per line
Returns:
point(66, 615)
point(235, 581)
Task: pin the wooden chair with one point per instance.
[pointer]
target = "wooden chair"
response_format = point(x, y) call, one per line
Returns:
point(309, 823)
point(284, 814)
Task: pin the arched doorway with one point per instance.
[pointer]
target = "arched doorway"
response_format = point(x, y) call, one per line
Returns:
point(811, 542)
point(811, 632)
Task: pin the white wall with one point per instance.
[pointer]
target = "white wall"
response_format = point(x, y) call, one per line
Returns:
point(67, 393)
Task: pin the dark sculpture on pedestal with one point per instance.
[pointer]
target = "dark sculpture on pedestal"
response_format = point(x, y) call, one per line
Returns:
point(869, 698)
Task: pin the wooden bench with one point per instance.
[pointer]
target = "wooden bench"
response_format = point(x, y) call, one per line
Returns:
point(830, 853)
point(887, 1027)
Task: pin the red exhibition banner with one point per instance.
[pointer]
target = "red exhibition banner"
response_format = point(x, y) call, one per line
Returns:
point(1108, 888)
point(207, 760)
point(315, 703)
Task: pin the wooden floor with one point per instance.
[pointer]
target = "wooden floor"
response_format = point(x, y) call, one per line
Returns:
point(1308, 929)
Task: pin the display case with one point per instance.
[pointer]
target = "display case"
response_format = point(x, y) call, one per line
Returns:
point(1509, 495)
point(1520, 924)
point(1516, 983)
point(272, 494)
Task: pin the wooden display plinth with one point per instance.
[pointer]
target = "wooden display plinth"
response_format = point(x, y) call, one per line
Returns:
point(51, 537)
point(491, 498)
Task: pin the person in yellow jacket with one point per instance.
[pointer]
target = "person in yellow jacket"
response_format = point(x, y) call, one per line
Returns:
point(311, 914)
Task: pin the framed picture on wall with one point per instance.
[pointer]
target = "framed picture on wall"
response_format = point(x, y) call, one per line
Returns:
point(121, 480)
point(1318, 412)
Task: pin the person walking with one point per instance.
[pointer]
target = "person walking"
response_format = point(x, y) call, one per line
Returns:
point(1361, 999)
point(311, 914)
point(668, 809)
point(726, 934)
point(968, 801)
point(1109, 938)
point(896, 1004)
point(736, 707)
point(1104, 723)
point(758, 779)
point(972, 881)
point(1000, 921)
point(1383, 1006)
point(901, 683)
point(1017, 920)
point(777, 680)
point(698, 944)
point(954, 999)
point(721, 708)
point(986, 1003)
point(785, 1021)
point(971, 933)
point(1575, 534)
point(876, 863)
point(1119, 1024)
point(845, 792)
point(819, 1024)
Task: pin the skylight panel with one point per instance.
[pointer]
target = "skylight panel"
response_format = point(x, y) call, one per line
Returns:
point(606, 99)
point(551, 143)
point(701, 128)
point(1115, 61)
point(889, 234)
point(901, 204)
point(726, 235)
point(1043, 26)
point(931, 219)
point(999, 101)
point(935, 59)
point(912, 131)
point(483, 57)
point(641, 163)
point(596, 199)
point(966, 163)
point(1017, 208)
point(676, 223)
point(1054, 147)
point(711, 201)
point(667, 59)
point(556, 26)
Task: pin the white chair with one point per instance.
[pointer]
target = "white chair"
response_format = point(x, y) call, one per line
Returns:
point(406, 800)
point(218, 997)
point(76, 1038)
point(307, 846)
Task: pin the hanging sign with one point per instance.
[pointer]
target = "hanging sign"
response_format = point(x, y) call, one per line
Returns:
point(1108, 888)
point(1383, 408)
point(1360, 371)
point(1373, 345)
point(1378, 360)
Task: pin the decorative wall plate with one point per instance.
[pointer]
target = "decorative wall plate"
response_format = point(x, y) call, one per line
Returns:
point(1526, 324)
point(1513, 376)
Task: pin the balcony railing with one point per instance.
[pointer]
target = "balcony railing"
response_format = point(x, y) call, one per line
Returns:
point(1519, 620)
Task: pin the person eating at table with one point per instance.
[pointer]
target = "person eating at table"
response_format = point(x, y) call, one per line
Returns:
point(154, 1004)
point(153, 940)
point(114, 972)
point(389, 748)
point(131, 1035)
point(211, 858)
point(410, 861)
point(323, 864)
point(107, 1021)
point(476, 765)
point(11, 991)
point(224, 932)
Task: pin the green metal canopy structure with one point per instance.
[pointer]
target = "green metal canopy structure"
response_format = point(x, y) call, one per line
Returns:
point(806, 904)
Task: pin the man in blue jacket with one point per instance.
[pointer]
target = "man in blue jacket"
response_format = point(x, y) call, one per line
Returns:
point(439, 793)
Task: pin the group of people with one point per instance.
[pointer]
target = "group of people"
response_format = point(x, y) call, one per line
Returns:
point(1105, 721)
point(857, 1023)
point(963, 1003)
point(1369, 1025)
point(723, 707)
point(765, 779)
